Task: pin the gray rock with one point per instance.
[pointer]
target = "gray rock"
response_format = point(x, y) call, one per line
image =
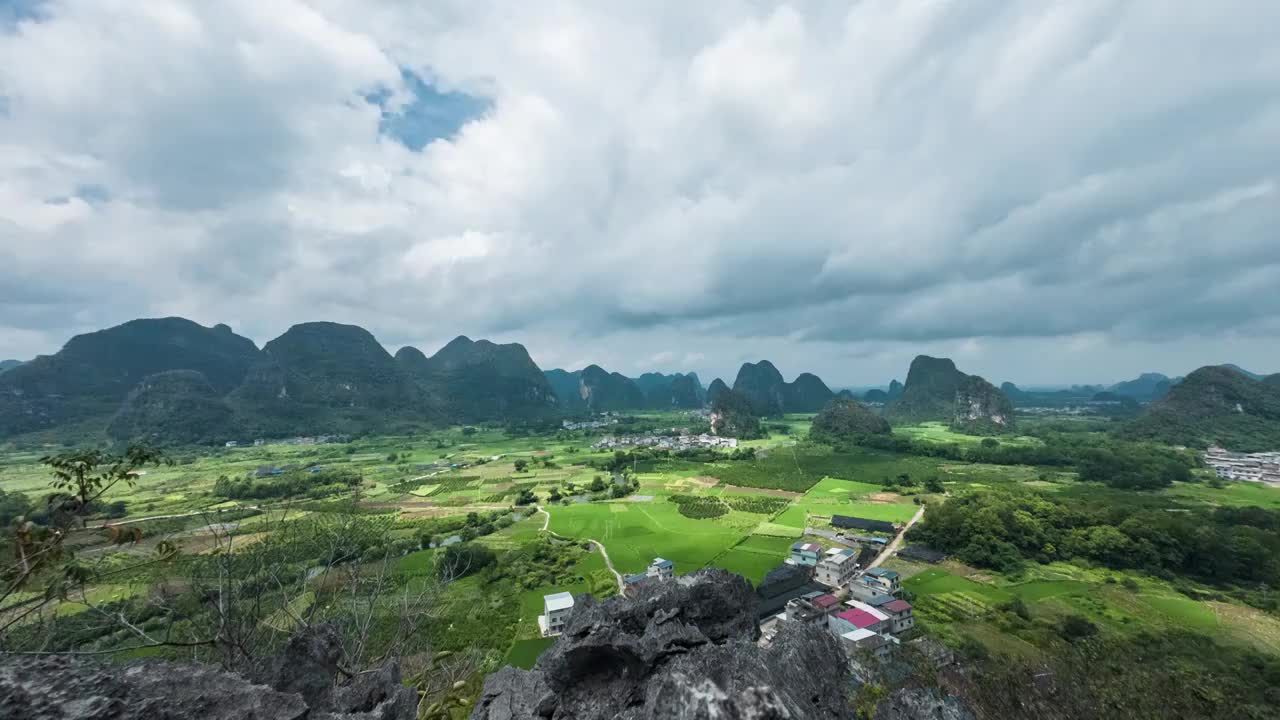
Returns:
point(685, 649)
point(60, 688)
point(297, 684)
point(922, 704)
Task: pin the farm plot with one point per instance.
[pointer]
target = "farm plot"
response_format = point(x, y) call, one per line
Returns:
point(635, 533)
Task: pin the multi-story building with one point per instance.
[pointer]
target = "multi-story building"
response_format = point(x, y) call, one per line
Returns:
point(900, 616)
point(812, 608)
point(803, 553)
point(888, 580)
point(837, 568)
point(556, 610)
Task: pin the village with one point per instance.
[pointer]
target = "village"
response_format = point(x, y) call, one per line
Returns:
point(1261, 467)
point(677, 440)
point(839, 588)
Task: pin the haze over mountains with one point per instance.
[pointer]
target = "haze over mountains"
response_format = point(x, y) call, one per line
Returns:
point(174, 381)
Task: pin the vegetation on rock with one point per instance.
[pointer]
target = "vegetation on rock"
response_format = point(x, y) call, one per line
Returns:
point(1215, 405)
point(844, 420)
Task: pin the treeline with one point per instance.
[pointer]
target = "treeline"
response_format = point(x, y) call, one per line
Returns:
point(1118, 463)
point(313, 483)
point(1005, 529)
point(699, 507)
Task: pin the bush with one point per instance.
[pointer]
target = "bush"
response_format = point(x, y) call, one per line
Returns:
point(1075, 627)
point(463, 559)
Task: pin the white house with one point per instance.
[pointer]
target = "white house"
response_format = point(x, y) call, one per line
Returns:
point(868, 641)
point(803, 553)
point(837, 568)
point(556, 610)
point(662, 569)
point(888, 581)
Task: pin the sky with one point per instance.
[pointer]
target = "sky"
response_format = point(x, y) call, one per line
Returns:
point(1047, 192)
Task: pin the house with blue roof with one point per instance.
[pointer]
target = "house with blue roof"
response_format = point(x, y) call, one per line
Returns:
point(803, 553)
point(662, 569)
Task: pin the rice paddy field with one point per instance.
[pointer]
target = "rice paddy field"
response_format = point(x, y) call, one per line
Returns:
point(955, 600)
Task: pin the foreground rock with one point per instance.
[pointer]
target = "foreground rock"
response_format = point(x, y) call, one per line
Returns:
point(683, 649)
point(298, 684)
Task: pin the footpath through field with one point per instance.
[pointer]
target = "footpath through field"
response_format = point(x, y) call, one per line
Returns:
point(546, 527)
point(897, 542)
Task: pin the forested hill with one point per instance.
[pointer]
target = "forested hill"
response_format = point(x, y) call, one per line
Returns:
point(93, 373)
point(479, 380)
point(1215, 405)
point(9, 364)
point(937, 390)
point(762, 385)
point(172, 381)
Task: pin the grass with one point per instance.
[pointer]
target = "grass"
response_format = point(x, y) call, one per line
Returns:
point(524, 653)
point(754, 556)
point(635, 533)
point(817, 483)
point(1118, 602)
point(939, 432)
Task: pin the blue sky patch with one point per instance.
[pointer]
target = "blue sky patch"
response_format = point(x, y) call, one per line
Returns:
point(430, 116)
point(14, 11)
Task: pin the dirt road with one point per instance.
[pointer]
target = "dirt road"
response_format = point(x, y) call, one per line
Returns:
point(546, 524)
point(897, 542)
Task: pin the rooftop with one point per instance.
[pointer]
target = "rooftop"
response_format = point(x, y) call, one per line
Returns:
point(558, 601)
point(826, 601)
point(659, 562)
point(873, 612)
point(882, 573)
point(858, 635)
point(897, 606)
point(859, 618)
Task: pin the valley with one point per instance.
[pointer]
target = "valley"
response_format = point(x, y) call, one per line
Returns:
point(431, 507)
point(740, 510)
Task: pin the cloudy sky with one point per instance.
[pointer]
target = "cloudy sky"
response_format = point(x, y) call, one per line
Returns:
point(1046, 191)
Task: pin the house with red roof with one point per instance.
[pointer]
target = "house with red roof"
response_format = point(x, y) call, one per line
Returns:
point(857, 619)
point(899, 612)
point(812, 608)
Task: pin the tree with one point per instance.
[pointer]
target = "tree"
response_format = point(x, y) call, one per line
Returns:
point(521, 465)
point(597, 484)
point(934, 485)
point(82, 477)
point(619, 491)
point(990, 443)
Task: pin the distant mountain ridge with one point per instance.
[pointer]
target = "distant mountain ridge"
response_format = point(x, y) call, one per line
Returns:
point(172, 381)
point(595, 389)
point(937, 390)
point(9, 364)
point(1145, 387)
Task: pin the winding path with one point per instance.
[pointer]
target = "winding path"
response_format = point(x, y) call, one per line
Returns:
point(546, 525)
point(897, 542)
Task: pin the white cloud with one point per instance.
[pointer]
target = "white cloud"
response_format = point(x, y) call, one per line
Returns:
point(831, 185)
